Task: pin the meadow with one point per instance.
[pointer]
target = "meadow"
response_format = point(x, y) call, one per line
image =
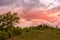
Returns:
point(41, 32)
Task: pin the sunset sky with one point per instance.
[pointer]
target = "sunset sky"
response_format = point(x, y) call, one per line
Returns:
point(33, 12)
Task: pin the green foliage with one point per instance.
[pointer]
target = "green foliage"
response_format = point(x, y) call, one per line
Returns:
point(13, 31)
point(3, 35)
point(41, 32)
point(7, 28)
point(8, 19)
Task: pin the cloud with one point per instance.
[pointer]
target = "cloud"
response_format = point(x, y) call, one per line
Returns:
point(50, 3)
point(29, 4)
point(6, 2)
point(49, 15)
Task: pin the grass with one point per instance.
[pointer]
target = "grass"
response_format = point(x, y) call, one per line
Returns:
point(38, 33)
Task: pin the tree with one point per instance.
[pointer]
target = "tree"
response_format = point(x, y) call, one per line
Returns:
point(8, 19)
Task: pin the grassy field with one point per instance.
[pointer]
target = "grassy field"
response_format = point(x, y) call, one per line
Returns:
point(38, 33)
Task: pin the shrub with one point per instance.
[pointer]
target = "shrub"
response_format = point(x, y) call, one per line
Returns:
point(3, 35)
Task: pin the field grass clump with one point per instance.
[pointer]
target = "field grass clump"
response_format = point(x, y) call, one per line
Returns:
point(40, 32)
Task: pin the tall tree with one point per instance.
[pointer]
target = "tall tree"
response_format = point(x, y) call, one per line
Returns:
point(8, 19)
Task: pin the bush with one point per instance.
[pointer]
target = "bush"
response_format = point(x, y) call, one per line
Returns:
point(14, 31)
point(3, 35)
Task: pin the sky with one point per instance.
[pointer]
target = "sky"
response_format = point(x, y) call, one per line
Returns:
point(33, 12)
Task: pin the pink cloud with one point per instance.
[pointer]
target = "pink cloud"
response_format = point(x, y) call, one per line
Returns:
point(35, 17)
point(48, 16)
